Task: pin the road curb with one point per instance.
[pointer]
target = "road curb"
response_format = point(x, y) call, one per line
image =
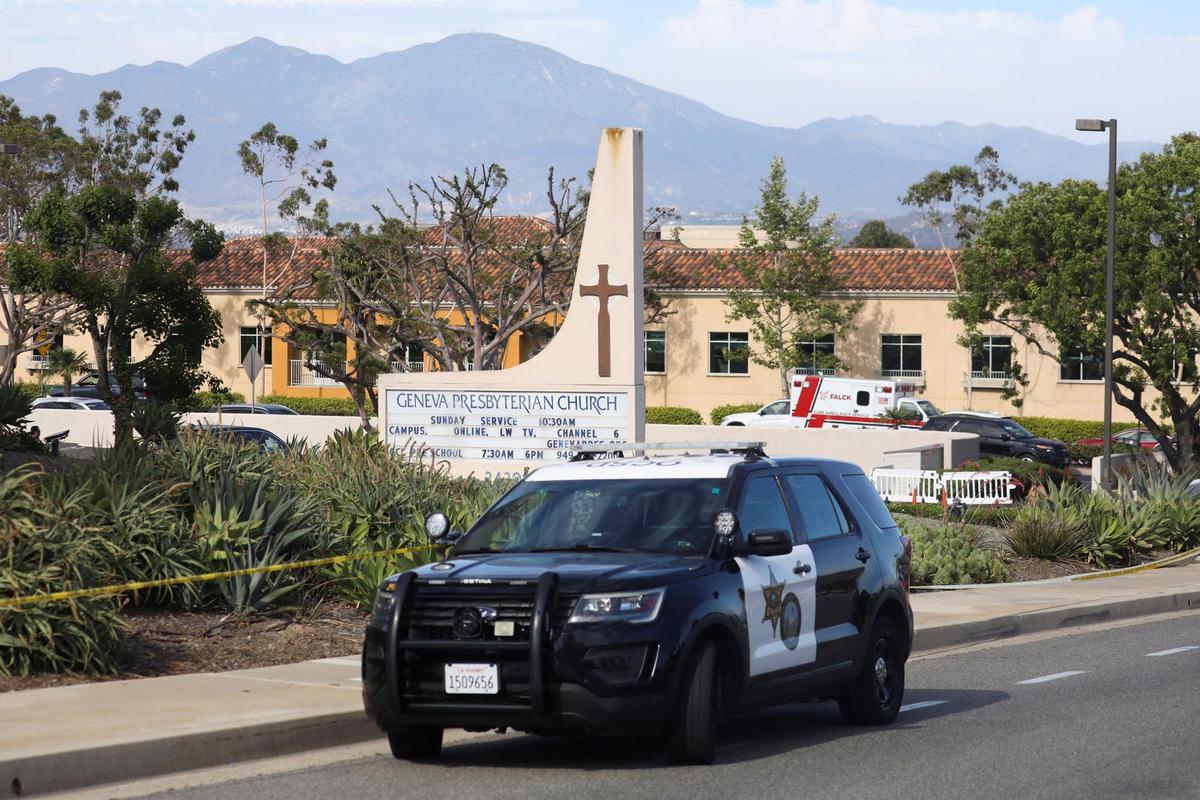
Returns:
point(150, 757)
point(939, 637)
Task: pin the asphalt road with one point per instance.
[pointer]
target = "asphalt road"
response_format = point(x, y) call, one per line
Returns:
point(1093, 715)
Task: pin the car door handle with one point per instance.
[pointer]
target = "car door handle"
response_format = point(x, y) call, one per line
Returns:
point(801, 568)
point(862, 555)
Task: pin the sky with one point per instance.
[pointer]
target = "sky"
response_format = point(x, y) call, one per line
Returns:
point(776, 62)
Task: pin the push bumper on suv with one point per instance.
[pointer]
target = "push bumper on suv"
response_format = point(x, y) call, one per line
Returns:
point(549, 679)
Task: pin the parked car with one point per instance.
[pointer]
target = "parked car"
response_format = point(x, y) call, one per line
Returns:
point(264, 440)
point(71, 404)
point(1004, 436)
point(648, 595)
point(1134, 437)
point(89, 386)
point(256, 408)
point(774, 413)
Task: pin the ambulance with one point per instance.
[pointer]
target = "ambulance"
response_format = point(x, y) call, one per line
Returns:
point(823, 402)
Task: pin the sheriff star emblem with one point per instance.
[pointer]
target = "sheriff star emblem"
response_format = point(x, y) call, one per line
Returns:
point(773, 601)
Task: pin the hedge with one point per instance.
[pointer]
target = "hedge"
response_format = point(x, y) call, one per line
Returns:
point(721, 412)
point(324, 406)
point(204, 401)
point(1086, 452)
point(1070, 430)
point(673, 415)
point(990, 516)
point(32, 390)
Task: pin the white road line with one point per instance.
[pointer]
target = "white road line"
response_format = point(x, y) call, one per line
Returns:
point(1173, 651)
point(1054, 677)
point(922, 704)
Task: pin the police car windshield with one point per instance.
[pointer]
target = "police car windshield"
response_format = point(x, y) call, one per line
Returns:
point(656, 516)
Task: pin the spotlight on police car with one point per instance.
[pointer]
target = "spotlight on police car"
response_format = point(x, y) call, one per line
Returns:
point(726, 523)
point(436, 525)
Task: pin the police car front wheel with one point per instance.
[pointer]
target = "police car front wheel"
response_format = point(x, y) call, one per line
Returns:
point(875, 696)
point(416, 741)
point(692, 738)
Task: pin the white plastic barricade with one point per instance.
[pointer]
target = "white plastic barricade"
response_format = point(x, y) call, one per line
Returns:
point(927, 486)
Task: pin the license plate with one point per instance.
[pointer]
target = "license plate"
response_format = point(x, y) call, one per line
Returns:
point(472, 679)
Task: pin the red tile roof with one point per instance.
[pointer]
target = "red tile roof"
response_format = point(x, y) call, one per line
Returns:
point(859, 269)
point(240, 264)
point(672, 265)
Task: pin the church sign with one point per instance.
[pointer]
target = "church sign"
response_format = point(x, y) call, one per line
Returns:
point(585, 387)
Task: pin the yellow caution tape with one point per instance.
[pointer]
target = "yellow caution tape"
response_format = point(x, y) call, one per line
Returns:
point(72, 594)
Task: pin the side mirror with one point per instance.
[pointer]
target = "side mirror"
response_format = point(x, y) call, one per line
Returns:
point(1004, 437)
point(769, 543)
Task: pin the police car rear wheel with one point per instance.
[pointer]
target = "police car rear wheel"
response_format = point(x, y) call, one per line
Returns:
point(416, 741)
point(876, 695)
point(693, 734)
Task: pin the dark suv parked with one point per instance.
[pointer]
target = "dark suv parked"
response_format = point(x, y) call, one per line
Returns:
point(1003, 436)
point(648, 595)
point(89, 386)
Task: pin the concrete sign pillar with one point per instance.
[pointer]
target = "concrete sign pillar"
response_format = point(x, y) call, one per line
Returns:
point(586, 386)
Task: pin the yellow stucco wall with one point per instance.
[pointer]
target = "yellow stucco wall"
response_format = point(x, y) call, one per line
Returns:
point(687, 382)
point(945, 362)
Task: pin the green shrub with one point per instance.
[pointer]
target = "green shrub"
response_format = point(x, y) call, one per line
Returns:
point(1069, 430)
point(721, 412)
point(1029, 473)
point(324, 406)
point(672, 415)
point(154, 421)
point(372, 500)
point(46, 547)
point(15, 407)
point(1086, 452)
point(949, 554)
point(1036, 532)
point(31, 390)
point(205, 401)
point(991, 516)
point(1124, 527)
point(245, 522)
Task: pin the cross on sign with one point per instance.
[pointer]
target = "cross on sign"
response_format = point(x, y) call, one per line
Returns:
point(603, 290)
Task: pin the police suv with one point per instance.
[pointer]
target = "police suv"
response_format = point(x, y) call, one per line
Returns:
point(633, 596)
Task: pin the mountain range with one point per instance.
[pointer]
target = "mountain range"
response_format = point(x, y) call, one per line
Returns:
point(471, 99)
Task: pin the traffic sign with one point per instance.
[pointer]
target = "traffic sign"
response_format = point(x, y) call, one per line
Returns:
point(252, 363)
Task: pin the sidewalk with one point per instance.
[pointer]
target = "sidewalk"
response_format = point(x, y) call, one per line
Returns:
point(74, 736)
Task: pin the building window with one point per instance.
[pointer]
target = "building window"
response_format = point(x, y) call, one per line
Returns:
point(992, 358)
point(728, 353)
point(900, 355)
point(410, 359)
point(817, 356)
point(255, 337)
point(1080, 365)
point(656, 351)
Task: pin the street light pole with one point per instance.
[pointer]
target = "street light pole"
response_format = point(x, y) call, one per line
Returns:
point(1109, 290)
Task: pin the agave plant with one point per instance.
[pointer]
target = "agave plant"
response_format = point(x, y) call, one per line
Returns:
point(46, 545)
point(155, 422)
point(15, 408)
point(245, 523)
point(1037, 531)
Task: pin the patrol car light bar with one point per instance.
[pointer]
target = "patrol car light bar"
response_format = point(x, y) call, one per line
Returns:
point(589, 451)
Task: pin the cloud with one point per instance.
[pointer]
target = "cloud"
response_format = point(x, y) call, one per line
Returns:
point(787, 62)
